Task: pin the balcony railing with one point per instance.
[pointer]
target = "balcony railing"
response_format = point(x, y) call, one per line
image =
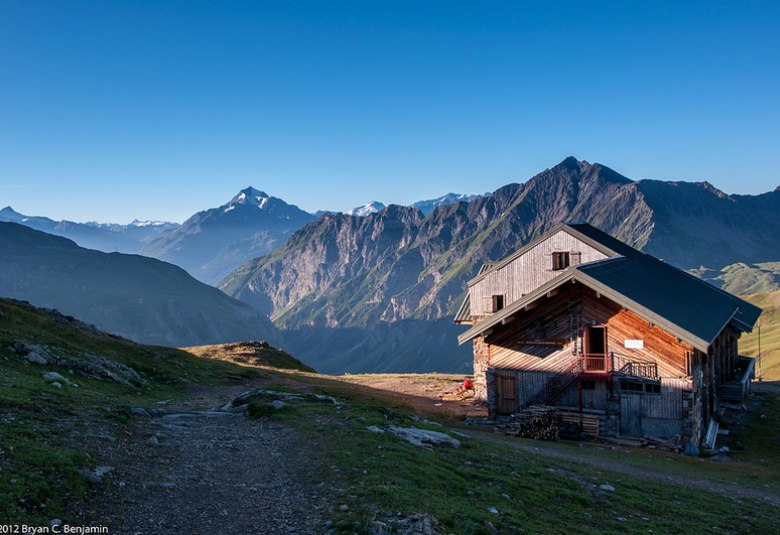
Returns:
point(595, 362)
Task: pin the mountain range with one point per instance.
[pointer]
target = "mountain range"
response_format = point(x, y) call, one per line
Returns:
point(377, 291)
point(132, 296)
point(211, 243)
point(106, 237)
point(346, 287)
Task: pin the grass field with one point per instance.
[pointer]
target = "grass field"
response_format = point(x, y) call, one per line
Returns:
point(768, 368)
point(379, 477)
point(486, 486)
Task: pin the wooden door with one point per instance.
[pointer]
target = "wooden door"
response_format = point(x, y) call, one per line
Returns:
point(595, 348)
point(506, 393)
point(630, 415)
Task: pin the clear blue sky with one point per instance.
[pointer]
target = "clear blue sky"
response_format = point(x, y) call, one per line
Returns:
point(113, 110)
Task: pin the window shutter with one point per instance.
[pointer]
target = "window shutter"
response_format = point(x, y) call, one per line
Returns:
point(548, 261)
point(576, 258)
point(487, 304)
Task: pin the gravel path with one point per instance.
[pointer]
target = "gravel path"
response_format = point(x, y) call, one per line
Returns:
point(201, 473)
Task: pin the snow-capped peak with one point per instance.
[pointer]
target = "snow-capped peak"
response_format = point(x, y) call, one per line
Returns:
point(367, 209)
point(249, 196)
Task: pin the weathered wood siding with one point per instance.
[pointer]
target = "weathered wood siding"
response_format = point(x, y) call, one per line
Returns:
point(660, 347)
point(549, 319)
point(529, 271)
point(514, 388)
point(659, 415)
point(577, 306)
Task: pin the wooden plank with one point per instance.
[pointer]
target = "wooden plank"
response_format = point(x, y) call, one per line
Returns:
point(541, 341)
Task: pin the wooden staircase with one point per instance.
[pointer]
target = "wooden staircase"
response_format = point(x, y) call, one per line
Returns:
point(555, 386)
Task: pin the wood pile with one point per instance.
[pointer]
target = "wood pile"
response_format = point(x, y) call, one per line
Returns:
point(591, 423)
point(538, 422)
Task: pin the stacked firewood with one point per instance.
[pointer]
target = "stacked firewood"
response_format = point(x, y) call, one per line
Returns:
point(538, 422)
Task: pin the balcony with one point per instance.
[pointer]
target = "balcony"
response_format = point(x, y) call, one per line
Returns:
point(599, 364)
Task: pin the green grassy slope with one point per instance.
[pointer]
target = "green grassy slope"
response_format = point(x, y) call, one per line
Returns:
point(40, 464)
point(250, 354)
point(769, 365)
point(744, 279)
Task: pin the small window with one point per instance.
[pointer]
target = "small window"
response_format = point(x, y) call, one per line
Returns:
point(560, 260)
point(637, 386)
point(498, 302)
point(631, 386)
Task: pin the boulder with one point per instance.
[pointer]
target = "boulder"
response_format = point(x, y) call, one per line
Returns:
point(423, 437)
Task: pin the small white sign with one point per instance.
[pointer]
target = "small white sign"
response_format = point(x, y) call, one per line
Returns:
point(635, 344)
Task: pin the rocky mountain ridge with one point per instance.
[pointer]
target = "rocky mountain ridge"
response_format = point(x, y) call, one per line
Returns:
point(342, 273)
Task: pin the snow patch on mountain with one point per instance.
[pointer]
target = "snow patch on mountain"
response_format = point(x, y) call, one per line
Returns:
point(426, 207)
point(367, 209)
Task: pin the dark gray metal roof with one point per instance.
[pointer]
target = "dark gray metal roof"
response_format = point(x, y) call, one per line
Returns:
point(688, 307)
point(464, 312)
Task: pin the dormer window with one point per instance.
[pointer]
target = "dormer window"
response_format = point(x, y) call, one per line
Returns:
point(560, 260)
point(498, 302)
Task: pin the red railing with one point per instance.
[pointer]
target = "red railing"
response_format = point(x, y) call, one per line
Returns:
point(596, 362)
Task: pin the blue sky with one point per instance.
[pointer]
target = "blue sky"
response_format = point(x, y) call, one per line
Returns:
point(114, 110)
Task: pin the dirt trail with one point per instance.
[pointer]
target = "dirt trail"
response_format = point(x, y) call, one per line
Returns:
point(727, 489)
point(211, 473)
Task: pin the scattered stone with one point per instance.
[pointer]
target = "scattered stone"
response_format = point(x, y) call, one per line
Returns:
point(422, 437)
point(55, 522)
point(55, 384)
point(140, 411)
point(606, 487)
point(343, 508)
point(96, 475)
point(375, 429)
point(152, 440)
point(277, 404)
point(492, 510)
point(52, 376)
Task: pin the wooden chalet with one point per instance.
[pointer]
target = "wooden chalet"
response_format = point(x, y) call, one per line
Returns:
point(579, 320)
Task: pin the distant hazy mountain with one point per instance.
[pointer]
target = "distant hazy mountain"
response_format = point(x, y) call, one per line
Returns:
point(140, 298)
point(107, 237)
point(212, 243)
point(370, 208)
point(426, 207)
point(347, 288)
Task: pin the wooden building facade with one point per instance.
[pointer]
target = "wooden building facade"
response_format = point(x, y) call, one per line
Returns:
point(580, 320)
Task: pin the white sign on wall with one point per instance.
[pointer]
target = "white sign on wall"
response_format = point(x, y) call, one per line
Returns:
point(635, 344)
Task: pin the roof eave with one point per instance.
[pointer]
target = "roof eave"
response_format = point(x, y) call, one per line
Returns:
point(510, 310)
